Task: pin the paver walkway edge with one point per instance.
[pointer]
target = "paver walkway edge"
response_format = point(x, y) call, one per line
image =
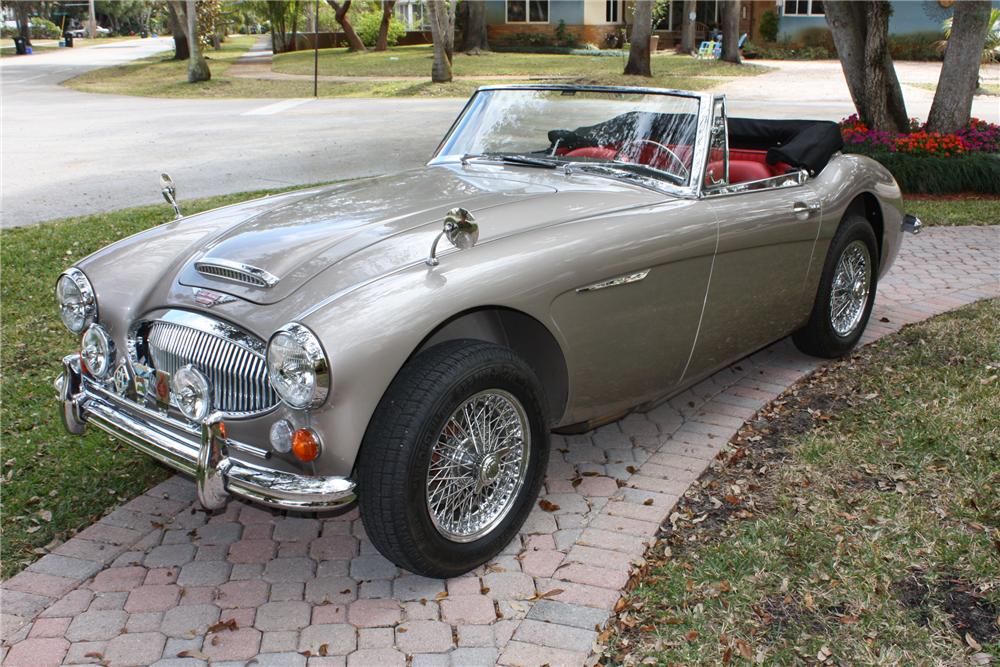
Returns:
point(158, 581)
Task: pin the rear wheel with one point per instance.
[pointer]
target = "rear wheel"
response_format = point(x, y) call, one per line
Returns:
point(846, 292)
point(453, 458)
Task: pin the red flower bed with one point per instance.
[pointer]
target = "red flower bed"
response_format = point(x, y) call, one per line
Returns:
point(979, 137)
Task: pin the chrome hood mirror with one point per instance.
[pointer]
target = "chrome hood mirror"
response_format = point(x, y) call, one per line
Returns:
point(460, 228)
point(170, 193)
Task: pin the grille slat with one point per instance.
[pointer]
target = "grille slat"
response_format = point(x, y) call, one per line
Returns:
point(238, 376)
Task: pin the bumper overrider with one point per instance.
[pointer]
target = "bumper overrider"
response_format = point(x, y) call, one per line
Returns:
point(202, 455)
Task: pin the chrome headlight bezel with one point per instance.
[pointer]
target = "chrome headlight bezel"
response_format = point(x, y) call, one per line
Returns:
point(306, 382)
point(82, 309)
point(98, 351)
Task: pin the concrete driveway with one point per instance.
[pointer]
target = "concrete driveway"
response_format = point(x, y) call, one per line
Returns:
point(69, 153)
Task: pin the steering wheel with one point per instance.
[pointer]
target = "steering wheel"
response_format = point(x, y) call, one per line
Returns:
point(638, 142)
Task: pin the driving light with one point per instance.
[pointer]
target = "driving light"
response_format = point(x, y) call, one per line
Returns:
point(297, 367)
point(192, 392)
point(97, 351)
point(77, 303)
point(281, 436)
point(305, 445)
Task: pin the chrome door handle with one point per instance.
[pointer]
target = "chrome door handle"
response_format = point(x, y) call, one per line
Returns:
point(802, 209)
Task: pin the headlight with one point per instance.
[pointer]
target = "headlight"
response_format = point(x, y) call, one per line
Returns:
point(98, 351)
point(297, 367)
point(193, 394)
point(77, 303)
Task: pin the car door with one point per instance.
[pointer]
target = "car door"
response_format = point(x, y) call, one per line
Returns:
point(766, 241)
point(631, 318)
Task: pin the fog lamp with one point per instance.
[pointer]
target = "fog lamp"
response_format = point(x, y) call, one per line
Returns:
point(305, 445)
point(190, 388)
point(281, 436)
point(97, 351)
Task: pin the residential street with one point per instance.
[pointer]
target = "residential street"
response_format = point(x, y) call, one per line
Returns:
point(68, 153)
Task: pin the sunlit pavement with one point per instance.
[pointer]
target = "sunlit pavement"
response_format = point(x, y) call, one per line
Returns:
point(159, 581)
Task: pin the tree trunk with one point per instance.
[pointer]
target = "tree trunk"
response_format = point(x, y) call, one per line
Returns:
point(22, 11)
point(382, 43)
point(187, 12)
point(441, 26)
point(642, 29)
point(731, 32)
point(687, 27)
point(181, 51)
point(340, 13)
point(861, 34)
point(959, 76)
point(475, 29)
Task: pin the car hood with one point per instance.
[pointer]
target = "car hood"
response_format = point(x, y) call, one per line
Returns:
point(295, 241)
point(344, 235)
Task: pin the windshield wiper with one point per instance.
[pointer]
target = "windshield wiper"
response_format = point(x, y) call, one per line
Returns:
point(511, 159)
point(629, 170)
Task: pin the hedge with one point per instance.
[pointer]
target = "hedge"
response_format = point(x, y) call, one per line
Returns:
point(974, 172)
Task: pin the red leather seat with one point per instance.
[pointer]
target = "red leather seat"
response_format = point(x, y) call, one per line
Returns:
point(741, 171)
point(599, 152)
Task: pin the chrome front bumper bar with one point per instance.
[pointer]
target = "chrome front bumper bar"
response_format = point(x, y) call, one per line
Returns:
point(216, 475)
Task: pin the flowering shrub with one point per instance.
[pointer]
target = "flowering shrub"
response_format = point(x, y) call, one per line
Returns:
point(979, 137)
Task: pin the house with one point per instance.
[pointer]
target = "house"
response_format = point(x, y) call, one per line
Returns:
point(908, 17)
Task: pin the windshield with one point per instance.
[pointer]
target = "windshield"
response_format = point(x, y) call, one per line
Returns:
point(647, 134)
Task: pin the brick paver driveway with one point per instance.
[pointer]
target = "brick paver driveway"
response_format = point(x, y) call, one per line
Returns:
point(159, 581)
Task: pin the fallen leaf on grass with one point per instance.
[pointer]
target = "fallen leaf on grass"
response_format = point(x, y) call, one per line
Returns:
point(744, 649)
point(547, 505)
point(971, 641)
point(691, 635)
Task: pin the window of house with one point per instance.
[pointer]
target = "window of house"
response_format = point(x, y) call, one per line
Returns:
point(527, 11)
point(612, 11)
point(803, 8)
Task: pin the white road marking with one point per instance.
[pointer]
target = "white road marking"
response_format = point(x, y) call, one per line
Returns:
point(277, 107)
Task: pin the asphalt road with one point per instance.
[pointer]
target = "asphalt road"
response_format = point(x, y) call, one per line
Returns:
point(69, 153)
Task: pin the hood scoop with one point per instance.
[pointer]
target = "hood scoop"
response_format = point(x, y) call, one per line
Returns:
point(236, 272)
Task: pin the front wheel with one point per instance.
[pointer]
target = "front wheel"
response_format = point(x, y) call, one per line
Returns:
point(846, 292)
point(453, 458)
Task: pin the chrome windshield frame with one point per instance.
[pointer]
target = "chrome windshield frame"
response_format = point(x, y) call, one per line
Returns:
point(702, 129)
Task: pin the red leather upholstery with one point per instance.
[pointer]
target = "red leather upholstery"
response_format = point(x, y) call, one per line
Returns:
point(741, 171)
point(599, 152)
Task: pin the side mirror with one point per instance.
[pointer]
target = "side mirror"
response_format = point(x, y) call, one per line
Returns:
point(169, 193)
point(460, 228)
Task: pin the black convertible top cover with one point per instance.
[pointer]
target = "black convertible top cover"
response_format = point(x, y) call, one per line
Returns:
point(804, 144)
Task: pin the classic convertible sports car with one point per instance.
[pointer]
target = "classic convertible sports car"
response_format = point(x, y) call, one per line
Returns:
point(606, 247)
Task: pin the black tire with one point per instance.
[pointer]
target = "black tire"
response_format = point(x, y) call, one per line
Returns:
point(396, 453)
point(818, 337)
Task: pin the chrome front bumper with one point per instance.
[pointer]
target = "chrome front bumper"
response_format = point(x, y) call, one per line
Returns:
point(205, 458)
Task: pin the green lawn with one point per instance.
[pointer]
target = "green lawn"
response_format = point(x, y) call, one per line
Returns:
point(54, 483)
point(954, 212)
point(159, 76)
point(856, 523)
point(416, 61)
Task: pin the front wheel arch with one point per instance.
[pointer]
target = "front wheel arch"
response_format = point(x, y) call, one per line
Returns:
point(527, 337)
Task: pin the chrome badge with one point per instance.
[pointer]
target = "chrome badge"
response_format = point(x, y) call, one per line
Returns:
point(208, 298)
point(122, 379)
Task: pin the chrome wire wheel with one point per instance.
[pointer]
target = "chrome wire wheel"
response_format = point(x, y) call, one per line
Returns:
point(851, 283)
point(478, 465)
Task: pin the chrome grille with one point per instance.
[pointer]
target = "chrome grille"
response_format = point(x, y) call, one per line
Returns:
point(237, 273)
point(237, 374)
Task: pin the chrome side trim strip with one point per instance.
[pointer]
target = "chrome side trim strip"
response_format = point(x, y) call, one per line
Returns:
point(615, 282)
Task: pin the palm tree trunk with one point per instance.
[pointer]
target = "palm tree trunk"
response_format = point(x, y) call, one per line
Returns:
point(731, 32)
point(441, 26)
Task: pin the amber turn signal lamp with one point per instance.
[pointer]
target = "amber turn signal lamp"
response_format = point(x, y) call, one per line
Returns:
point(305, 445)
point(222, 431)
